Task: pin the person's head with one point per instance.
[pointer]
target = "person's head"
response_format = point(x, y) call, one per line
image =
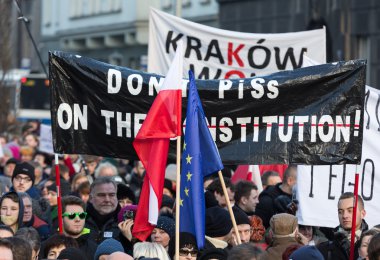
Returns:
point(6, 250)
point(64, 172)
point(218, 224)
point(216, 188)
point(246, 196)
point(72, 253)
point(168, 188)
point(346, 208)
point(307, 231)
point(38, 171)
point(55, 244)
point(164, 231)
point(243, 225)
point(245, 251)
point(9, 167)
point(106, 248)
point(31, 140)
point(84, 191)
point(290, 176)
point(91, 163)
point(188, 249)
point(364, 241)
point(283, 225)
point(30, 235)
point(74, 216)
point(374, 248)
point(42, 158)
point(270, 178)
point(119, 256)
point(306, 252)
point(125, 195)
point(167, 205)
point(103, 195)
point(77, 180)
point(150, 250)
point(21, 248)
point(28, 206)
point(26, 153)
point(51, 194)
point(139, 168)
point(11, 210)
point(6, 231)
point(106, 169)
point(23, 177)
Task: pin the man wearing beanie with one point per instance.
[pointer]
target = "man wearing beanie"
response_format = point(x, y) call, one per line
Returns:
point(284, 231)
point(218, 228)
point(243, 225)
point(23, 180)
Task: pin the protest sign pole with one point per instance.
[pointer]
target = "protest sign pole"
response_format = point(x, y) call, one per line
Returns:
point(177, 203)
point(229, 207)
point(353, 227)
point(59, 202)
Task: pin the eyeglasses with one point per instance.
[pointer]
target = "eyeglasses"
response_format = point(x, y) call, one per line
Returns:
point(186, 252)
point(19, 178)
point(81, 215)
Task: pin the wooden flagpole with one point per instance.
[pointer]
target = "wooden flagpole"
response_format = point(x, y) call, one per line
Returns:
point(229, 207)
point(178, 194)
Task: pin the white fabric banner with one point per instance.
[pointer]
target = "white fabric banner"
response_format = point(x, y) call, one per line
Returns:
point(46, 139)
point(215, 53)
point(319, 187)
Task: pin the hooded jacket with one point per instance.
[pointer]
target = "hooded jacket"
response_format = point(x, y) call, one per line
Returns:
point(21, 209)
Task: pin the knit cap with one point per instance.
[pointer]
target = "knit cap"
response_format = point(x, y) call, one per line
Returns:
point(108, 247)
point(24, 168)
point(218, 222)
point(306, 252)
point(166, 224)
point(240, 217)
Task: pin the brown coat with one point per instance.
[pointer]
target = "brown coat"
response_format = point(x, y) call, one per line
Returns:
point(279, 245)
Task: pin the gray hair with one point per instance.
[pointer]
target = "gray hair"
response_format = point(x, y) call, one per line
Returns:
point(102, 180)
point(104, 166)
point(148, 249)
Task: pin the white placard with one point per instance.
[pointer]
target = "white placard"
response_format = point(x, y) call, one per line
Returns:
point(46, 140)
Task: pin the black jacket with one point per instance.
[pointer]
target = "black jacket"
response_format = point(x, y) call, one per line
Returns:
point(87, 246)
point(102, 227)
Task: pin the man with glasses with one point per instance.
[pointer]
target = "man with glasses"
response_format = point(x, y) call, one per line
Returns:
point(74, 216)
point(102, 209)
point(23, 180)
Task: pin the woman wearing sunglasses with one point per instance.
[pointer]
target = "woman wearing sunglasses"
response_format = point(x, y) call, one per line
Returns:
point(74, 217)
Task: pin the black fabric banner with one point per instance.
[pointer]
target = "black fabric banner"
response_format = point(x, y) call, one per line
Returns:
point(310, 115)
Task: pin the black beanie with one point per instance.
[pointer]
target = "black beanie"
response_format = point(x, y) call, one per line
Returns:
point(213, 253)
point(24, 168)
point(123, 191)
point(240, 217)
point(72, 253)
point(167, 201)
point(218, 222)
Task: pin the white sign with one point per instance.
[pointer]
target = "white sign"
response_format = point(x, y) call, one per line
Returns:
point(215, 53)
point(1, 151)
point(46, 141)
point(319, 187)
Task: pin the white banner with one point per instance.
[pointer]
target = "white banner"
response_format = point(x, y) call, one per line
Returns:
point(1, 151)
point(46, 139)
point(319, 187)
point(215, 53)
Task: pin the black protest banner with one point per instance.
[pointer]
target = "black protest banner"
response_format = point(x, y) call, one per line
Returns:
point(310, 115)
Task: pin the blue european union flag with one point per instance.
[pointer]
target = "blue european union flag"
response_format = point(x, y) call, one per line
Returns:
point(200, 157)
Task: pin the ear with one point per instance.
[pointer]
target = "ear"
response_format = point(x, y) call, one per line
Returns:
point(363, 213)
point(244, 200)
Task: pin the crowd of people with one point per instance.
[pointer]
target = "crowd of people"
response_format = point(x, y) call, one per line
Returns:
point(99, 202)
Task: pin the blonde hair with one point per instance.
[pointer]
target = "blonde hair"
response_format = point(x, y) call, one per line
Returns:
point(147, 249)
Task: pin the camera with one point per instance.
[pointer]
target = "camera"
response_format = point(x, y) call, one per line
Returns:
point(129, 214)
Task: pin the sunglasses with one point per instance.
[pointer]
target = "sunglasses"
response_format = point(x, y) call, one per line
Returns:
point(186, 252)
point(81, 215)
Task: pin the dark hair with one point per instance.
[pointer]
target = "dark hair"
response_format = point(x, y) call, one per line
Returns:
point(62, 170)
point(7, 228)
point(266, 175)
point(72, 200)
point(216, 185)
point(244, 251)
point(370, 232)
point(58, 240)
point(374, 247)
point(6, 243)
point(243, 189)
point(102, 180)
point(288, 172)
point(349, 195)
point(84, 188)
point(21, 249)
point(12, 196)
point(31, 235)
